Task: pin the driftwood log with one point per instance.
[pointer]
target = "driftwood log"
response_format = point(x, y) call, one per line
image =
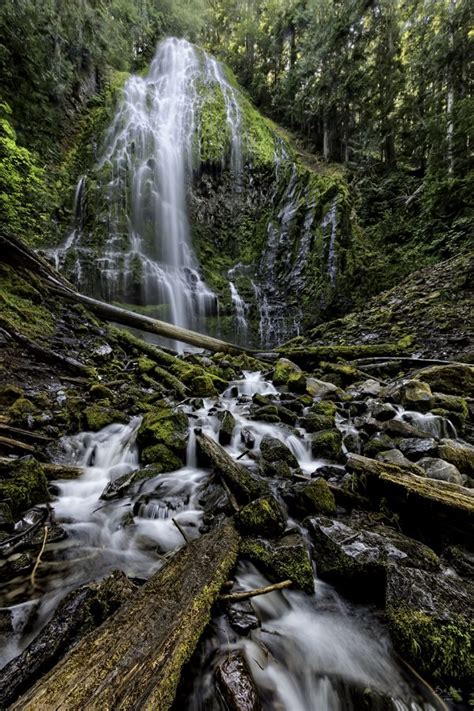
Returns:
point(134, 660)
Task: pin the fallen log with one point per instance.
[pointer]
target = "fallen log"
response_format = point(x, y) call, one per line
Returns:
point(440, 508)
point(244, 485)
point(13, 445)
point(81, 611)
point(247, 594)
point(134, 660)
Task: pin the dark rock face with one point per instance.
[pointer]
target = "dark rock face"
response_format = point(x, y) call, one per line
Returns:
point(416, 448)
point(273, 450)
point(236, 685)
point(242, 617)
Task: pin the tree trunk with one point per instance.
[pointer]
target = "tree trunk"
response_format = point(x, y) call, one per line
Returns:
point(134, 660)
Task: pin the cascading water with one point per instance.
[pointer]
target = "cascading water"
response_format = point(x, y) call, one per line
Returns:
point(330, 219)
point(143, 176)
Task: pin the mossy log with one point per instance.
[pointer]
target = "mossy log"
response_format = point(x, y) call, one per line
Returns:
point(240, 481)
point(134, 660)
point(439, 507)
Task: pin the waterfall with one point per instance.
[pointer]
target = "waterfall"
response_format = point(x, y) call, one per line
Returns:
point(152, 151)
point(239, 308)
point(331, 219)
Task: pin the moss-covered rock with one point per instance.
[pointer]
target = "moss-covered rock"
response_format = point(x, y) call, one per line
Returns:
point(455, 379)
point(98, 416)
point(312, 498)
point(164, 426)
point(416, 395)
point(282, 371)
point(316, 423)
point(21, 411)
point(325, 407)
point(262, 517)
point(162, 458)
point(327, 444)
point(24, 486)
point(380, 442)
point(458, 453)
point(431, 623)
point(286, 558)
point(273, 450)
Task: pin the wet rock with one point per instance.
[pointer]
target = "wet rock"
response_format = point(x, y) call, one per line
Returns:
point(247, 437)
point(327, 444)
point(380, 442)
point(286, 558)
point(453, 379)
point(307, 499)
point(163, 426)
point(23, 485)
point(382, 411)
point(283, 369)
point(347, 554)
point(395, 456)
point(458, 453)
point(369, 388)
point(431, 622)
point(322, 390)
point(416, 395)
point(297, 382)
point(439, 469)
point(6, 517)
point(6, 623)
point(316, 423)
point(264, 517)
point(324, 408)
point(162, 458)
point(416, 448)
point(461, 560)
point(242, 617)
point(98, 416)
point(329, 471)
point(367, 424)
point(273, 450)
point(227, 427)
point(353, 442)
point(269, 413)
point(402, 428)
point(455, 407)
point(280, 470)
point(235, 683)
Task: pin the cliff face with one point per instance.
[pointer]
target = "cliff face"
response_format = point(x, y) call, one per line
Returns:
point(268, 240)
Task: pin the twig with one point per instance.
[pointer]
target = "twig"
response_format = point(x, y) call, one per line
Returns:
point(14, 444)
point(38, 559)
point(230, 496)
point(246, 594)
point(242, 455)
point(180, 529)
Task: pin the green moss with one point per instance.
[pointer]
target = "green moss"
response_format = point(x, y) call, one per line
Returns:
point(21, 410)
point(325, 407)
point(100, 392)
point(263, 516)
point(163, 459)
point(281, 561)
point(317, 497)
point(380, 442)
point(164, 426)
point(25, 485)
point(146, 365)
point(98, 416)
point(215, 139)
point(316, 423)
point(21, 304)
point(440, 649)
point(455, 379)
point(282, 371)
point(327, 444)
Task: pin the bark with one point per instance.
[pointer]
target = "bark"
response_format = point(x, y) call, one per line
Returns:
point(134, 660)
point(247, 594)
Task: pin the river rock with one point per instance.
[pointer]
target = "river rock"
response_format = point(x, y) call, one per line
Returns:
point(282, 559)
point(307, 499)
point(453, 379)
point(431, 621)
point(242, 617)
point(264, 516)
point(316, 423)
point(235, 683)
point(226, 429)
point(380, 442)
point(322, 390)
point(458, 453)
point(395, 456)
point(283, 369)
point(402, 428)
point(416, 448)
point(23, 486)
point(382, 411)
point(416, 395)
point(439, 469)
point(353, 442)
point(247, 437)
point(369, 388)
point(348, 554)
point(273, 450)
point(327, 444)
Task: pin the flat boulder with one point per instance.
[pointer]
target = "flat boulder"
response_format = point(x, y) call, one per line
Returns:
point(436, 468)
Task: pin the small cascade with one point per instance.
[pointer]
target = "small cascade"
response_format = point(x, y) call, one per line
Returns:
point(233, 116)
point(59, 254)
point(240, 310)
point(331, 219)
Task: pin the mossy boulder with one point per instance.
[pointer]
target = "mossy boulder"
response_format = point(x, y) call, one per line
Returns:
point(439, 469)
point(458, 453)
point(286, 558)
point(273, 450)
point(163, 459)
point(454, 379)
point(327, 444)
point(24, 485)
point(166, 427)
point(284, 368)
point(416, 395)
point(431, 622)
point(98, 416)
point(315, 497)
point(324, 408)
point(453, 407)
point(380, 442)
point(262, 517)
point(322, 390)
point(316, 423)
point(227, 426)
point(297, 382)
point(22, 411)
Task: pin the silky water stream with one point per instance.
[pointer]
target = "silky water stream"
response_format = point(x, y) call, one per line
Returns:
point(309, 652)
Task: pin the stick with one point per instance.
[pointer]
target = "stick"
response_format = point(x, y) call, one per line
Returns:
point(180, 529)
point(246, 594)
point(230, 495)
point(38, 560)
point(14, 444)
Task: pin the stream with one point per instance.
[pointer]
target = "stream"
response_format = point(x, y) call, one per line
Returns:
point(308, 652)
